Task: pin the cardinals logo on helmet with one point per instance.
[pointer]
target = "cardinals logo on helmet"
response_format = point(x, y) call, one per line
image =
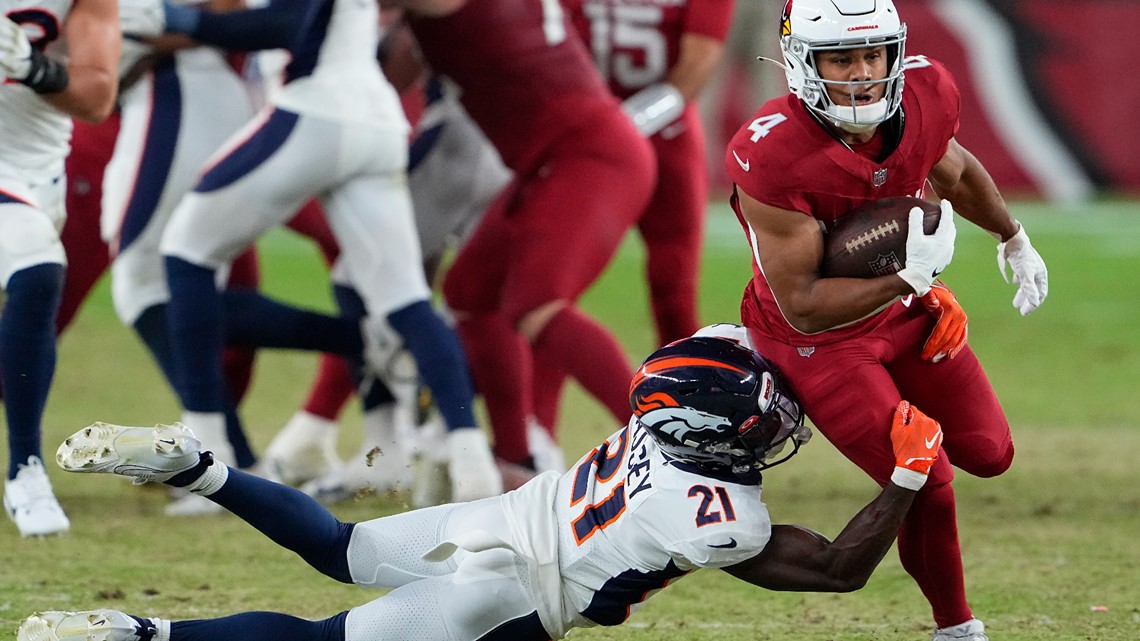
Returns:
point(786, 20)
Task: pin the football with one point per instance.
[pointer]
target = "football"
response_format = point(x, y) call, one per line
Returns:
point(870, 240)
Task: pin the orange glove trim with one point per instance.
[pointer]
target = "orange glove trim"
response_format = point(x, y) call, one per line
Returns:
point(951, 325)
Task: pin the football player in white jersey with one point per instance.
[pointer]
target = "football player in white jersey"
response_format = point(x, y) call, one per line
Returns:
point(57, 62)
point(334, 131)
point(676, 490)
point(184, 104)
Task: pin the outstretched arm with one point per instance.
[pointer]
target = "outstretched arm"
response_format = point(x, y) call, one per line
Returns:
point(964, 181)
point(797, 558)
point(800, 559)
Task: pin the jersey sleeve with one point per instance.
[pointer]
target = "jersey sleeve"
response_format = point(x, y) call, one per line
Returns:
point(711, 18)
point(762, 162)
point(941, 99)
point(714, 534)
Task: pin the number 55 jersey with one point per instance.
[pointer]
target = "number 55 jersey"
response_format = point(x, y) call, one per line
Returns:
point(623, 523)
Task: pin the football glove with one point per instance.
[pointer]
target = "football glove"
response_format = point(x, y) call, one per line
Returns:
point(15, 50)
point(916, 439)
point(950, 324)
point(927, 256)
point(1029, 273)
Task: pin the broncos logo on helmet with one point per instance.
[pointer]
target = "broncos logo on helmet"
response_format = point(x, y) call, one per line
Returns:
point(685, 424)
point(716, 405)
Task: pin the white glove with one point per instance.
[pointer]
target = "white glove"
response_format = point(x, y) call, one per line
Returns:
point(15, 50)
point(1029, 273)
point(142, 18)
point(927, 256)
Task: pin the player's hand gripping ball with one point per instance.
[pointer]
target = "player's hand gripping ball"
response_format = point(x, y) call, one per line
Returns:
point(870, 240)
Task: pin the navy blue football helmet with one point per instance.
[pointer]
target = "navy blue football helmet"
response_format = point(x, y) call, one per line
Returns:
point(717, 406)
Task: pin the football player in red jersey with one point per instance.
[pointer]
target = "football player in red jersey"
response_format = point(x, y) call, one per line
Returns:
point(656, 57)
point(851, 348)
point(583, 175)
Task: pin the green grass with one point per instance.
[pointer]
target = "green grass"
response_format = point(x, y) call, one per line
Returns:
point(1043, 544)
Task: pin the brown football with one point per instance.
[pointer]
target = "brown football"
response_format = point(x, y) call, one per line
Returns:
point(870, 240)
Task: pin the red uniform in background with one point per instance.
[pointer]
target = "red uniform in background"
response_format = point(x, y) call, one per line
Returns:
point(583, 177)
point(849, 379)
point(635, 44)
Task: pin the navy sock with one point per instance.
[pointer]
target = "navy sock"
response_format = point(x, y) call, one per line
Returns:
point(235, 434)
point(260, 626)
point(151, 328)
point(27, 355)
point(440, 359)
point(374, 391)
point(194, 317)
point(290, 518)
point(255, 320)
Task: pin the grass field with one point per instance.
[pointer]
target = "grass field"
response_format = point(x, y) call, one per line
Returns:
point(1051, 547)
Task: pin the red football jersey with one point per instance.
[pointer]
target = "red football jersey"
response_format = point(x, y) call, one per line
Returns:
point(784, 158)
point(636, 42)
point(526, 78)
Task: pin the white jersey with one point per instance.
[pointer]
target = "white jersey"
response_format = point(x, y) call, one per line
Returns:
point(333, 72)
point(34, 136)
point(623, 523)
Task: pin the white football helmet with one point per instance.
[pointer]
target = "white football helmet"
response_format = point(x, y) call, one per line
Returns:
point(811, 26)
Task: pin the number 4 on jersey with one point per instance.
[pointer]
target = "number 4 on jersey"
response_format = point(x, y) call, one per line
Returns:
point(764, 124)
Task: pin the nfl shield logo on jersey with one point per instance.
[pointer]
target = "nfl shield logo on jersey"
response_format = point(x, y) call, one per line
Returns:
point(879, 178)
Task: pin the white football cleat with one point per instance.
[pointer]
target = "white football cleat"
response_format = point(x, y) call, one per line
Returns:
point(143, 453)
point(93, 625)
point(972, 630)
point(471, 466)
point(30, 503)
point(303, 450)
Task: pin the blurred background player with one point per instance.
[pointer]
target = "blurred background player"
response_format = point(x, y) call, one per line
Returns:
point(453, 175)
point(334, 131)
point(58, 61)
point(528, 83)
point(675, 490)
point(184, 102)
point(849, 133)
point(656, 57)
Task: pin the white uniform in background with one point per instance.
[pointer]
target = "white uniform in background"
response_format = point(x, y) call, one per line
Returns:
point(174, 118)
point(454, 172)
point(334, 130)
point(34, 139)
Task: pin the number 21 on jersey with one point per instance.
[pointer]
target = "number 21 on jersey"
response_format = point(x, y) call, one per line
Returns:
point(600, 466)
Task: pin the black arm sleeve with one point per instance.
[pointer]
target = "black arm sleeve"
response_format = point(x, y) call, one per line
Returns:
point(276, 26)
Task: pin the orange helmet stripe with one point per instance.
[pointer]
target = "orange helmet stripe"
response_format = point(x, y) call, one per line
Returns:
point(672, 362)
